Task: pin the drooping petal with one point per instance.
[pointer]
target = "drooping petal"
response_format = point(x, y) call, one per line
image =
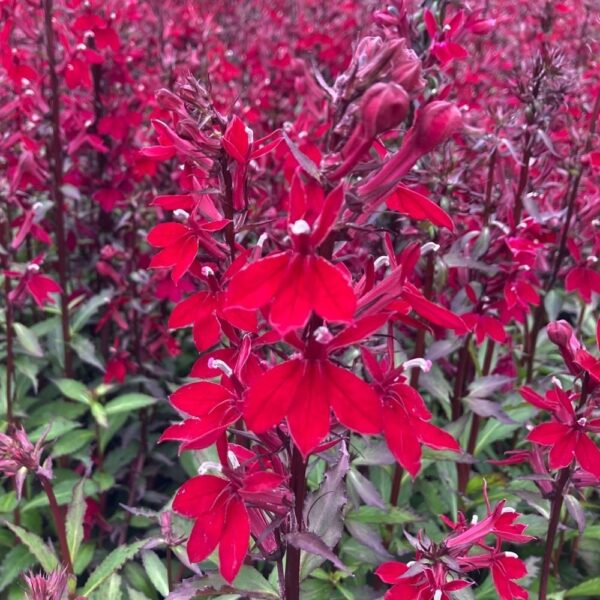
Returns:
point(401, 439)
point(206, 333)
point(588, 455)
point(563, 451)
point(419, 207)
point(199, 495)
point(332, 295)
point(270, 396)
point(206, 534)
point(292, 304)
point(234, 540)
point(433, 312)
point(354, 402)
point(187, 249)
point(308, 416)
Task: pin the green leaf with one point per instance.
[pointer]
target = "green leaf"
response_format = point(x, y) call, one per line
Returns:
point(28, 340)
point(86, 351)
point(591, 587)
point(83, 557)
point(110, 589)
point(156, 571)
point(74, 390)
point(16, 561)
point(99, 413)
point(128, 403)
point(88, 309)
point(74, 521)
point(372, 514)
point(55, 429)
point(44, 554)
point(72, 442)
point(112, 563)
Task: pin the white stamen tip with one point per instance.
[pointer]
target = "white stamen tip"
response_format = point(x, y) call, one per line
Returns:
point(556, 382)
point(381, 261)
point(262, 239)
point(474, 520)
point(181, 215)
point(511, 555)
point(323, 335)
point(582, 422)
point(429, 247)
point(417, 363)
point(208, 466)
point(300, 227)
point(437, 595)
point(215, 363)
point(508, 509)
point(233, 459)
point(410, 563)
point(207, 271)
point(33, 268)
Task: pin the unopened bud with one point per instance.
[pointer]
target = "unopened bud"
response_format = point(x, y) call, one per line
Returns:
point(383, 106)
point(436, 122)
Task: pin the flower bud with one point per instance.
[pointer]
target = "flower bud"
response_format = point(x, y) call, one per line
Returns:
point(167, 100)
point(406, 70)
point(384, 106)
point(436, 122)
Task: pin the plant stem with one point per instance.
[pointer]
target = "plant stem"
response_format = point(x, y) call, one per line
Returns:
point(8, 314)
point(557, 502)
point(292, 564)
point(56, 154)
point(59, 523)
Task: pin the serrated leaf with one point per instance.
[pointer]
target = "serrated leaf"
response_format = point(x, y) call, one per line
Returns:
point(74, 520)
point(42, 552)
point(86, 351)
point(16, 561)
point(111, 564)
point(28, 340)
point(74, 390)
point(110, 589)
point(156, 571)
point(128, 403)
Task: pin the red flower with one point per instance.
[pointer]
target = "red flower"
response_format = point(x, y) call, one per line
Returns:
point(303, 390)
point(219, 507)
point(298, 281)
point(567, 433)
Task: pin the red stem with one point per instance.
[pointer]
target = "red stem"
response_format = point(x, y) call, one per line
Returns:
point(57, 180)
point(59, 523)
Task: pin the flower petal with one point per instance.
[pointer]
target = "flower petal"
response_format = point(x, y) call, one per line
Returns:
point(206, 534)
point(588, 455)
point(199, 495)
point(234, 540)
point(270, 396)
point(331, 292)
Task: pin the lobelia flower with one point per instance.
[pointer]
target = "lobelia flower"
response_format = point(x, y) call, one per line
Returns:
point(205, 311)
point(440, 569)
point(304, 389)
point(180, 242)
point(405, 416)
point(221, 506)
point(31, 281)
point(567, 433)
point(296, 282)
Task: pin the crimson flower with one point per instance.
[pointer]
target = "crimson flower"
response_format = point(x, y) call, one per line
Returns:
point(429, 583)
point(405, 417)
point(219, 507)
point(298, 281)
point(567, 433)
point(304, 389)
point(179, 242)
